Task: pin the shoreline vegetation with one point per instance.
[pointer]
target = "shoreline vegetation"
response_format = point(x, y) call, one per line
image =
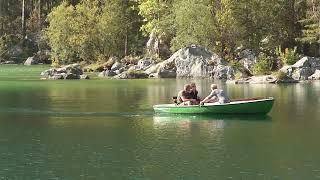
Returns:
point(245, 41)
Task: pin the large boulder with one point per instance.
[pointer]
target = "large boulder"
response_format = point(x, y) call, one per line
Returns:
point(247, 58)
point(303, 68)
point(145, 63)
point(72, 71)
point(117, 66)
point(223, 72)
point(302, 73)
point(315, 75)
point(31, 61)
point(193, 62)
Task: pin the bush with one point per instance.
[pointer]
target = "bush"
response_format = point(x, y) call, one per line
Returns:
point(130, 60)
point(263, 65)
point(280, 75)
point(289, 56)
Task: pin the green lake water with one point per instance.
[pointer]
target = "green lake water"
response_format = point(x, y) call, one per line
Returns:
point(106, 129)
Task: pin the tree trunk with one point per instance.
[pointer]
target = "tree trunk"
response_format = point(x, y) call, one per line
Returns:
point(126, 43)
point(39, 15)
point(23, 21)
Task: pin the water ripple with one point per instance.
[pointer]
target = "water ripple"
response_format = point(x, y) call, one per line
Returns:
point(25, 111)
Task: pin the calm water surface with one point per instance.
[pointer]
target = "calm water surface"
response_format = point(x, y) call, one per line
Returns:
point(106, 129)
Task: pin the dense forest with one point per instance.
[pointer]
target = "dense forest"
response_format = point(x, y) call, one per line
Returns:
point(95, 30)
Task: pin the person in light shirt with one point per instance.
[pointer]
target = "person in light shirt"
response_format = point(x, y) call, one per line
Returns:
point(216, 95)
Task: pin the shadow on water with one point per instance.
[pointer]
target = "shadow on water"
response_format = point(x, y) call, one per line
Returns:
point(210, 117)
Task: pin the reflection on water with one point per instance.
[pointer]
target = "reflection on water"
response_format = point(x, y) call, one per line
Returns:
point(107, 130)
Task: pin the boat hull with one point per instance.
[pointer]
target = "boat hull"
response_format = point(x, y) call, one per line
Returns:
point(259, 106)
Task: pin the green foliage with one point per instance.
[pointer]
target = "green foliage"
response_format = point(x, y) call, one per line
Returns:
point(263, 65)
point(311, 29)
point(88, 31)
point(280, 75)
point(289, 56)
point(130, 60)
point(191, 21)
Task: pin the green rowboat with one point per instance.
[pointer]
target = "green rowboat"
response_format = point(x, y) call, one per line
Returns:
point(245, 106)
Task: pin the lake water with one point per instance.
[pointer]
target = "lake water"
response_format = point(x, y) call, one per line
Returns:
point(106, 129)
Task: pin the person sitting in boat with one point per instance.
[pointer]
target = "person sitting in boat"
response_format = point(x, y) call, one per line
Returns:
point(194, 92)
point(184, 96)
point(216, 95)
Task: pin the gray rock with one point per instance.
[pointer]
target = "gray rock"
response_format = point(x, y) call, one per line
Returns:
point(248, 58)
point(117, 66)
point(48, 72)
point(166, 73)
point(72, 71)
point(302, 73)
point(31, 61)
point(71, 76)
point(193, 62)
point(267, 79)
point(223, 72)
point(132, 75)
point(9, 62)
point(107, 73)
point(303, 68)
point(304, 62)
point(84, 76)
point(145, 63)
point(56, 77)
point(315, 75)
point(152, 69)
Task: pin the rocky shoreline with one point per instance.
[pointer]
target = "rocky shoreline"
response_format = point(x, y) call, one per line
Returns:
point(195, 62)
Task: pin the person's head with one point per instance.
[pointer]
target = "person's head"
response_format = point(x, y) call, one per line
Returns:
point(193, 86)
point(213, 86)
point(187, 87)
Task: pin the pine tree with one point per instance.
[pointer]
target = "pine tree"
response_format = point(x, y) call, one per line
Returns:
point(311, 30)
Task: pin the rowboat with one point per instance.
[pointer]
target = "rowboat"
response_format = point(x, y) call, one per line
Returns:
point(240, 106)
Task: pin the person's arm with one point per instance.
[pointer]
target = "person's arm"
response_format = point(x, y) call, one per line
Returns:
point(185, 99)
point(211, 95)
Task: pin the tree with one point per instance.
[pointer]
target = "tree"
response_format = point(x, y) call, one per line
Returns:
point(311, 30)
point(193, 22)
point(158, 25)
point(90, 31)
point(226, 28)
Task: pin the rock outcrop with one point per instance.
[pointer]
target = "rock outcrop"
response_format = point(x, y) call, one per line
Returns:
point(315, 75)
point(72, 71)
point(31, 61)
point(302, 69)
point(192, 62)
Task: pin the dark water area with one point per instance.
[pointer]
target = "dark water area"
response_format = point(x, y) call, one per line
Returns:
point(106, 129)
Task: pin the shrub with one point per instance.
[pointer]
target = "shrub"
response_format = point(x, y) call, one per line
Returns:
point(280, 75)
point(130, 60)
point(263, 65)
point(289, 56)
